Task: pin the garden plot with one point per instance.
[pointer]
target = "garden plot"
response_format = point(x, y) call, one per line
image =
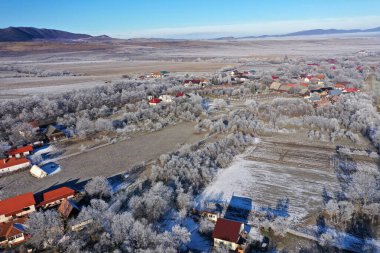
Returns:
point(272, 172)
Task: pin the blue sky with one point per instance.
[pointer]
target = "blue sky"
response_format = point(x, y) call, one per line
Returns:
point(189, 18)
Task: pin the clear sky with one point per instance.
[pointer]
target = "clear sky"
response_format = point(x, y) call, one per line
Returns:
point(189, 18)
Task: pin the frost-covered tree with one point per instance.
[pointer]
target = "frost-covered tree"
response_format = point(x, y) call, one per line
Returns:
point(46, 228)
point(98, 187)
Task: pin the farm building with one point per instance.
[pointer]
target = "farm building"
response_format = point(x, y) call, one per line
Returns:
point(20, 152)
point(166, 98)
point(54, 134)
point(55, 197)
point(12, 233)
point(154, 101)
point(13, 164)
point(195, 82)
point(211, 215)
point(155, 75)
point(17, 206)
point(235, 73)
point(37, 172)
point(351, 90)
point(229, 234)
point(67, 208)
point(164, 73)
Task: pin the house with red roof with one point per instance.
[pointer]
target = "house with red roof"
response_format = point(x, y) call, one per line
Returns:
point(351, 90)
point(154, 101)
point(320, 76)
point(17, 206)
point(12, 233)
point(340, 86)
point(195, 82)
point(191, 82)
point(13, 164)
point(20, 152)
point(275, 77)
point(332, 61)
point(229, 234)
point(55, 197)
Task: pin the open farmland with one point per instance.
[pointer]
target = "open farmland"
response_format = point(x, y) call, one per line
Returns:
point(272, 171)
point(107, 61)
point(106, 161)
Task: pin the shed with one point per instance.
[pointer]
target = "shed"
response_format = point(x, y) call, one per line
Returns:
point(54, 134)
point(37, 172)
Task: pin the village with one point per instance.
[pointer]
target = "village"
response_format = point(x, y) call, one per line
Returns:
point(227, 224)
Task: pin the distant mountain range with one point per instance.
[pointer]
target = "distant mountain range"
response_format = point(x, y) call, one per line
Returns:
point(308, 33)
point(13, 34)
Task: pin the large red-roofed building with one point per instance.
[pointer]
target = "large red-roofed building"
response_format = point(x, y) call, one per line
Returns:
point(13, 164)
point(17, 206)
point(19, 152)
point(55, 197)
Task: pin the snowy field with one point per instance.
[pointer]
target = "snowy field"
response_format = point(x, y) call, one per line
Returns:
point(274, 178)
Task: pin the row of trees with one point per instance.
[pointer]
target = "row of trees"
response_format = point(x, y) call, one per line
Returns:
point(132, 117)
point(28, 71)
point(92, 104)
